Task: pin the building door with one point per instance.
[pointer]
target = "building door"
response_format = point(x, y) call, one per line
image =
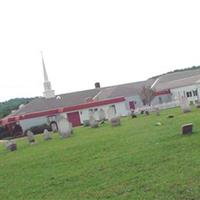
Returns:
point(74, 118)
point(132, 105)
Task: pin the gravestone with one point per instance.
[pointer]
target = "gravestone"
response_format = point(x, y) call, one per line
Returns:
point(30, 137)
point(112, 117)
point(86, 123)
point(102, 115)
point(187, 129)
point(93, 122)
point(115, 121)
point(111, 113)
point(64, 127)
point(133, 115)
point(54, 127)
point(185, 105)
point(47, 135)
point(11, 145)
point(157, 111)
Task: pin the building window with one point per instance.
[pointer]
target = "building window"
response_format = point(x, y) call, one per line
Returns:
point(195, 93)
point(189, 94)
point(96, 109)
point(160, 100)
point(114, 108)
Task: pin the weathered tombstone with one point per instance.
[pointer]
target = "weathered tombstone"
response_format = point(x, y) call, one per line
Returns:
point(11, 145)
point(133, 115)
point(115, 121)
point(185, 105)
point(54, 127)
point(93, 122)
point(157, 111)
point(112, 117)
point(64, 127)
point(187, 129)
point(86, 123)
point(102, 115)
point(111, 113)
point(47, 135)
point(30, 137)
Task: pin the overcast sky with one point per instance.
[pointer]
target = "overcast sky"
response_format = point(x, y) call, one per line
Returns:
point(84, 42)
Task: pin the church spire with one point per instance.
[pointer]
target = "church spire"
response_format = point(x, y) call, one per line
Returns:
point(48, 92)
point(44, 69)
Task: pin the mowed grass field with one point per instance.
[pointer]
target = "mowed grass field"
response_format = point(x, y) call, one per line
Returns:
point(137, 160)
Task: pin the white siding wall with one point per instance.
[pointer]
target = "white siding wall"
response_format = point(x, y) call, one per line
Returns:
point(182, 91)
point(28, 123)
point(121, 110)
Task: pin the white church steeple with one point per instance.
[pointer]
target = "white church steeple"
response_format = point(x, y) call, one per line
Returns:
point(48, 92)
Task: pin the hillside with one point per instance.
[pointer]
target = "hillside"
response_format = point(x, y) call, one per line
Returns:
point(137, 160)
point(12, 104)
point(178, 70)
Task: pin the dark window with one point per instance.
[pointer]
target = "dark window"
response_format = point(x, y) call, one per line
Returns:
point(114, 108)
point(189, 94)
point(195, 93)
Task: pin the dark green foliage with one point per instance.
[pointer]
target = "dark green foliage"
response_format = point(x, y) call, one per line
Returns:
point(12, 104)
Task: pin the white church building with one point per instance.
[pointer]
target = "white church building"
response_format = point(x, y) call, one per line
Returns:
point(123, 98)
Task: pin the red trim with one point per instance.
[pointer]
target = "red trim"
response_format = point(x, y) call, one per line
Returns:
point(164, 92)
point(60, 110)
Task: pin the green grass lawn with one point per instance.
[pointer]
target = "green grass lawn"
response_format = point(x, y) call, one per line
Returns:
point(137, 160)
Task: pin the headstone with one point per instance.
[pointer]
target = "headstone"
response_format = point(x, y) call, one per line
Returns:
point(157, 111)
point(187, 129)
point(30, 137)
point(102, 115)
point(64, 127)
point(47, 135)
point(115, 121)
point(11, 145)
point(93, 122)
point(185, 105)
point(86, 123)
point(133, 115)
point(111, 113)
point(54, 127)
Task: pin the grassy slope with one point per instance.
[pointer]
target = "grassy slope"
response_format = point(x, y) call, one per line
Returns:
point(135, 161)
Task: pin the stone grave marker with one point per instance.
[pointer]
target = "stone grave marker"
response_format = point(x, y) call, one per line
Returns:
point(115, 121)
point(47, 135)
point(187, 129)
point(185, 105)
point(30, 137)
point(64, 127)
point(157, 111)
point(11, 145)
point(112, 117)
point(102, 115)
point(93, 122)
